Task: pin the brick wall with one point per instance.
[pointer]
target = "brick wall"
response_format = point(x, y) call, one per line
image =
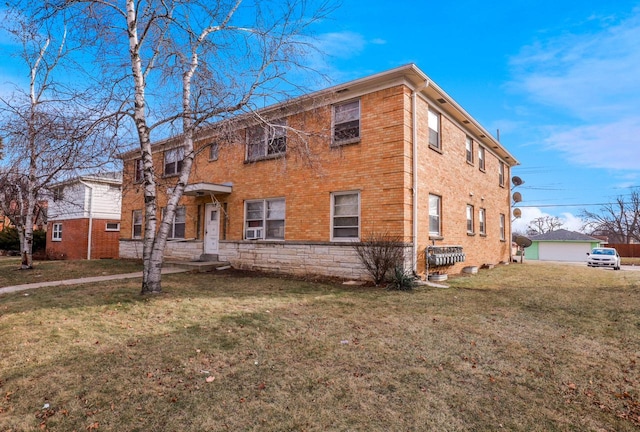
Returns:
point(105, 244)
point(379, 166)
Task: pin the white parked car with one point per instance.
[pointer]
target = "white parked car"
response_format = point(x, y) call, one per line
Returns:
point(604, 257)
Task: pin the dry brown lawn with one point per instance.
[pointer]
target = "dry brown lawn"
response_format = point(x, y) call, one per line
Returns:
point(517, 348)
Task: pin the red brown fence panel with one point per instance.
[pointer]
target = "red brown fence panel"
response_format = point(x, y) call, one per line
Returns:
point(627, 250)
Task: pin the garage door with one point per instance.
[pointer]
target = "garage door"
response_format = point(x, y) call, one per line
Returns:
point(563, 251)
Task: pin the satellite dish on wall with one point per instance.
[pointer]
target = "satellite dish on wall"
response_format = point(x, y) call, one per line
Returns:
point(517, 197)
point(517, 212)
point(523, 241)
point(517, 181)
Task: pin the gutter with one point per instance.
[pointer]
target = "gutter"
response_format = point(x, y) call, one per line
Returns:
point(414, 187)
point(89, 237)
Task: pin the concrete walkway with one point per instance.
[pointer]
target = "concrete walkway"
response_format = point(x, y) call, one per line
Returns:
point(16, 288)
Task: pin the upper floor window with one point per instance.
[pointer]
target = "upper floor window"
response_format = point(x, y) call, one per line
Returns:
point(435, 211)
point(58, 194)
point(213, 151)
point(173, 161)
point(345, 216)
point(482, 224)
point(501, 173)
point(469, 149)
point(481, 158)
point(136, 221)
point(346, 122)
point(139, 167)
point(265, 219)
point(56, 235)
point(267, 140)
point(502, 227)
point(470, 219)
point(434, 129)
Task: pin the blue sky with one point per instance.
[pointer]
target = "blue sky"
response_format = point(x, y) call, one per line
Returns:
point(559, 79)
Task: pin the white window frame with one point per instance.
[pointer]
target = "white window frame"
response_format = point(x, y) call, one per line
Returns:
point(179, 218)
point(56, 232)
point(482, 221)
point(470, 221)
point(173, 161)
point(501, 173)
point(337, 213)
point(481, 158)
point(58, 193)
point(266, 217)
point(435, 129)
point(214, 150)
point(347, 119)
point(267, 141)
point(136, 215)
point(503, 235)
point(435, 214)
point(117, 226)
point(469, 149)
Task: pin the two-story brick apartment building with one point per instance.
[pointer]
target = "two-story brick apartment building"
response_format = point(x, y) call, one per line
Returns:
point(389, 153)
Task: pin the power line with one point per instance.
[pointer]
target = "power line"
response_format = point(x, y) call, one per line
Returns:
point(564, 205)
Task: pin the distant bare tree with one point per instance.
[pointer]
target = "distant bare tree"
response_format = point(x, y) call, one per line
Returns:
point(177, 65)
point(619, 220)
point(48, 131)
point(543, 225)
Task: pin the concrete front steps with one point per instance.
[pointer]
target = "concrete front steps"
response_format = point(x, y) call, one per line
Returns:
point(206, 263)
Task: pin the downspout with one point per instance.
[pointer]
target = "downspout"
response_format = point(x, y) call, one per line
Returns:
point(89, 239)
point(414, 120)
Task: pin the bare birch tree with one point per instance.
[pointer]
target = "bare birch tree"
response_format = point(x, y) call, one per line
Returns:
point(49, 131)
point(619, 220)
point(189, 63)
point(543, 225)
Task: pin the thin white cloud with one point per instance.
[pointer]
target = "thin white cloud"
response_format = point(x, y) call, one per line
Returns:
point(569, 221)
point(610, 145)
point(588, 75)
point(591, 77)
point(341, 44)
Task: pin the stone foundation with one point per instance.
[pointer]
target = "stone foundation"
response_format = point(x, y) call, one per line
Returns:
point(296, 258)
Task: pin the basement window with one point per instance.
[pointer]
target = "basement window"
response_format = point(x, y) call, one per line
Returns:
point(112, 226)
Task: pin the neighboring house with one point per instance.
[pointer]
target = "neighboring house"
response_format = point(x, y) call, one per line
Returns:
point(389, 153)
point(84, 217)
point(40, 216)
point(561, 245)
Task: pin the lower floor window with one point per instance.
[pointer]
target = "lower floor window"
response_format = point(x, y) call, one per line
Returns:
point(345, 217)
point(265, 219)
point(435, 210)
point(470, 219)
point(137, 224)
point(177, 226)
point(56, 235)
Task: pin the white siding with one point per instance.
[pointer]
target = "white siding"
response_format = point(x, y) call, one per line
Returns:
point(71, 206)
point(76, 202)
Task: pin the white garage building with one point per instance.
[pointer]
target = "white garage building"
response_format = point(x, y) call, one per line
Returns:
point(561, 245)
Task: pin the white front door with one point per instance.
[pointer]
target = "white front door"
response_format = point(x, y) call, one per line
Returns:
point(211, 229)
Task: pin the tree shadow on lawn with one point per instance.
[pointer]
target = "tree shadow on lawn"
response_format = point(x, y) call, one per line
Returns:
point(232, 284)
